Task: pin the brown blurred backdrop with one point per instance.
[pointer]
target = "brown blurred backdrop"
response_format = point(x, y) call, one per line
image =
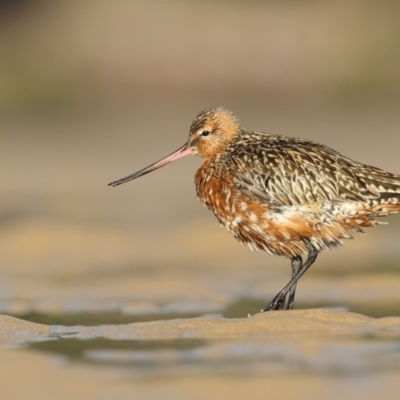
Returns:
point(91, 91)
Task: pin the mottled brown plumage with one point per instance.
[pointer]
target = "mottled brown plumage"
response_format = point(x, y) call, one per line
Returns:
point(287, 196)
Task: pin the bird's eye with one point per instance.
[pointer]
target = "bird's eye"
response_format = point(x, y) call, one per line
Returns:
point(205, 133)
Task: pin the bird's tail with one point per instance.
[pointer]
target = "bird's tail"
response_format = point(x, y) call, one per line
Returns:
point(385, 188)
point(388, 203)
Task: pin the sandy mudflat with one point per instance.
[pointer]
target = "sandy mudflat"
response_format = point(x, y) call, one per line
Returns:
point(276, 353)
point(282, 323)
point(16, 330)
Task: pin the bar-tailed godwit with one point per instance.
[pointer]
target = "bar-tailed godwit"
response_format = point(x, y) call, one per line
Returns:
point(286, 196)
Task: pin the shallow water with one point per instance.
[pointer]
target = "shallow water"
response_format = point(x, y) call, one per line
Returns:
point(339, 356)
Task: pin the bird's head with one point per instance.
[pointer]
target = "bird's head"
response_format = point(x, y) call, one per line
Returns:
point(211, 131)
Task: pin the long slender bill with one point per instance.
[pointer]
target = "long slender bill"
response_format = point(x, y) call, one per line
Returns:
point(176, 155)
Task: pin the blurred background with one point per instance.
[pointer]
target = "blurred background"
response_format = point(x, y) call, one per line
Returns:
point(91, 91)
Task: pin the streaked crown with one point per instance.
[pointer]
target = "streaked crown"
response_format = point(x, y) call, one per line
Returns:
point(212, 130)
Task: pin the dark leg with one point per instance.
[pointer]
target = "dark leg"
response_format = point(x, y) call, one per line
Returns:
point(297, 262)
point(278, 301)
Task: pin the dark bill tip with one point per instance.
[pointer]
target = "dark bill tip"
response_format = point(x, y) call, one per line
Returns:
point(176, 155)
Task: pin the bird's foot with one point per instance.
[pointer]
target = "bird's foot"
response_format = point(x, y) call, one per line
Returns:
point(277, 303)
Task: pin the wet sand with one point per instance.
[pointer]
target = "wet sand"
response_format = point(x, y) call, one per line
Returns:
point(313, 352)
